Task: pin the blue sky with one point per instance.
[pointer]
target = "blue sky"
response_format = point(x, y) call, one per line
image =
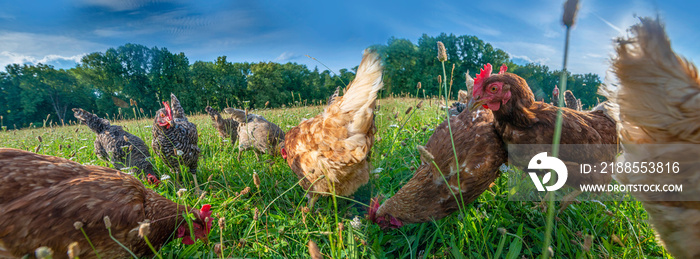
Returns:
point(59, 32)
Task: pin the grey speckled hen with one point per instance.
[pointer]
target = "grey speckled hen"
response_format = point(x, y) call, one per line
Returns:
point(227, 128)
point(175, 138)
point(255, 132)
point(571, 101)
point(117, 146)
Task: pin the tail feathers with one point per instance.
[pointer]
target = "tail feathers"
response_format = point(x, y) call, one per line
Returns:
point(238, 115)
point(212, 112)
point(360, 96)
point(178, 111)
point(659, 91)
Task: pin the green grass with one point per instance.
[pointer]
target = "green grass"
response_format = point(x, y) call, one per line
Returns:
point(282, 230)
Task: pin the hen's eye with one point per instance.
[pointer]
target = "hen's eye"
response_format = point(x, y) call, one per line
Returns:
point(162, 115)
point(494, 89)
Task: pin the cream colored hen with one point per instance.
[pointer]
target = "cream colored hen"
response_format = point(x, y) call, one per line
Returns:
point(659, 99)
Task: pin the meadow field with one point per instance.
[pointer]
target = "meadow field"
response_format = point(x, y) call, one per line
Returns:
point(267, 221)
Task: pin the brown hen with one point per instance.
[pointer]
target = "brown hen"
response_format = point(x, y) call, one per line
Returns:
point(330, 151)
point(659, 99)
point(44, 200)
point(521, 120)
point(436, 192)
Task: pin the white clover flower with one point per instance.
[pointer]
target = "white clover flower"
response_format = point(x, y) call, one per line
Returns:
point(377, 170)
point(164, 177)
point(356, 223)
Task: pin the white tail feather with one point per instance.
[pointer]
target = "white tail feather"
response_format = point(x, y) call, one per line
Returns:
point(361, 94)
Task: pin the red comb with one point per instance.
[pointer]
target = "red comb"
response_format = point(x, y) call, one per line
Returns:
point(206, 208)
point(167, 109)
point(504, 69)
point(479, 80)
point(373, 207)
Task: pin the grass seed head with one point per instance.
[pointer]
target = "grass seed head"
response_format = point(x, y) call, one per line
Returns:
point(145, 229)
point(78, 225)
point(256, 214)
point(108, 223)
point(442, 52)
point(570, 11)
point(256, 180)
point(314, 251)
point(222, 223)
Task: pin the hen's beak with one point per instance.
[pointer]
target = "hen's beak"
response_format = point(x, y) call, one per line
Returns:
point(475, 104)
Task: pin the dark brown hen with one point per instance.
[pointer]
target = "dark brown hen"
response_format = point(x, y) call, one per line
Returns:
point(122, 149)
point(227, 128)
point(436, 192)
point(429, 196)
point(521, 120)
point(44, 200)
point(175, 138)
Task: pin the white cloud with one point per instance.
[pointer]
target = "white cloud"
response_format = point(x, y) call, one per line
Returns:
point(18, 58)
point(286, 56)
point(22, 48)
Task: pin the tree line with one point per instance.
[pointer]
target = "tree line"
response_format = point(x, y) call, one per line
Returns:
point(132, 80)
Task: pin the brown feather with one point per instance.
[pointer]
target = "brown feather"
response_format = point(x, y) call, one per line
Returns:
point(41, 197)
point(659, 99)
